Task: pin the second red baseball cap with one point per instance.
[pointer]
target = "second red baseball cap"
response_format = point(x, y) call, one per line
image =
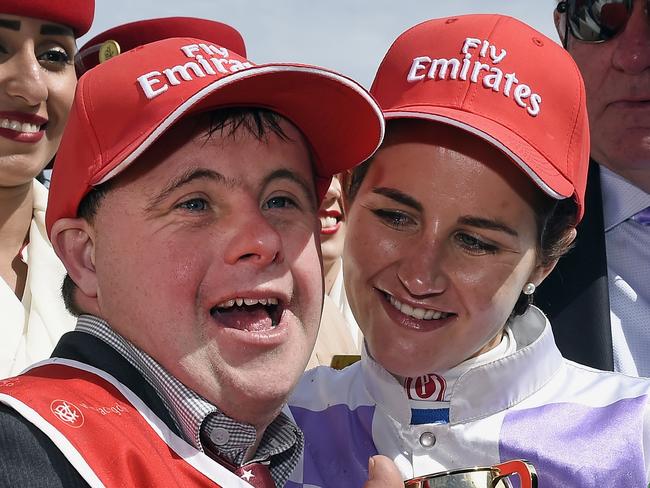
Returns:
point(123, 106)
point(125, 37)
point(501, 80)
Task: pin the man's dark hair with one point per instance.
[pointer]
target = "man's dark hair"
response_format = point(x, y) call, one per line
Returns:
point(258, 122)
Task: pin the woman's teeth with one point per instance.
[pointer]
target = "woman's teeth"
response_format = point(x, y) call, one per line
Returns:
point(418, 313)
point(18, 126)
point(326, 222)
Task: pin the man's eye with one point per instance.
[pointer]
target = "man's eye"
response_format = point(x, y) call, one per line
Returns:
point(55, 57)
point(393, 218)
point(279, 202)
point(475, 245)
point(194, 205)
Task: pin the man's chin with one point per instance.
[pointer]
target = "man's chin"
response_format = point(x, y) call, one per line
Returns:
point(258, 404)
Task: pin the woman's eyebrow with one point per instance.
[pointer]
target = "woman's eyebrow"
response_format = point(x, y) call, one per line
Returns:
point(10, 24)
point(399, 197)
point(483, 223)
point(56, 30)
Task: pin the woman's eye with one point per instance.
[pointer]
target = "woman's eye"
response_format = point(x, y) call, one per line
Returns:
point(393, 218)
point(55, 58)
point(279, 202)
point(475, 245)
point(194, 205)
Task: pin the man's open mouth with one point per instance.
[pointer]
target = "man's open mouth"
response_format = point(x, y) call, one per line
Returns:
point(248, 314)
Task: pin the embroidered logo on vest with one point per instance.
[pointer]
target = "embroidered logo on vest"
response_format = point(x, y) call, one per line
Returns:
point(68, 413)
point(428, 387)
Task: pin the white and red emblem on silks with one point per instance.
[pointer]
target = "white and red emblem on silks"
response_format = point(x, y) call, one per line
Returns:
point(430, 387)
point(68, 413)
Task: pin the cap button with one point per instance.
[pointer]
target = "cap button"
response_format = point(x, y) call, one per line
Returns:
point(109, 49)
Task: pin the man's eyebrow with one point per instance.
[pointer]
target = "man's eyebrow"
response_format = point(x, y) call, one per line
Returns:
point(399, 197)
point(182, 180)
point(490, 224)
point(56, 30)
point(10, 24)
point(287, 174)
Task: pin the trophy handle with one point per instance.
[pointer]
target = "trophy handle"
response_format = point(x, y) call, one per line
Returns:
point(524, 469)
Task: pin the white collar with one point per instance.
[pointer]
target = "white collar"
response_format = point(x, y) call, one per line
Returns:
point(621, 199)
point(487, 388)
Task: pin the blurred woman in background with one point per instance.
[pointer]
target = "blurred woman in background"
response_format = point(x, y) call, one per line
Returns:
point(339, 337)
point(37, 83)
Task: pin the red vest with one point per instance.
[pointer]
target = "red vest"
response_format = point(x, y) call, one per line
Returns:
point(106, 432)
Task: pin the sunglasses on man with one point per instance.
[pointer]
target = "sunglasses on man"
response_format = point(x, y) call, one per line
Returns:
point(596, 20)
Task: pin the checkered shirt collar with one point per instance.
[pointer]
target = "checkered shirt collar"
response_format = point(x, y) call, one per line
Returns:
point(198, 420)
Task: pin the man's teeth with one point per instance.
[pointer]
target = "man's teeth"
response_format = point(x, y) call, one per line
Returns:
point(326, 222)
point(18, 126)
point(247, 301)
point(418, 313)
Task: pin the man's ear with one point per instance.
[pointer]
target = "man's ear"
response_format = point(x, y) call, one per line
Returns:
point(74, 242)
point(542, 271)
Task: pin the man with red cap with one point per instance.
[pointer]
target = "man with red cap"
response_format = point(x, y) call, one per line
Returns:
point(37, 84)
point(184, 206)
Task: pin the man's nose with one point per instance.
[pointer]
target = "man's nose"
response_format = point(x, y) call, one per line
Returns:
point(632, 54)
point(422, 272)
point(255, 241)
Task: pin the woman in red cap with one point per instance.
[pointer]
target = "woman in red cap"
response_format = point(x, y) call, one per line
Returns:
point(37, 82)
point(466, 207)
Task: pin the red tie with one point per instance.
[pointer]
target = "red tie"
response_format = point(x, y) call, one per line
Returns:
point(256, 474)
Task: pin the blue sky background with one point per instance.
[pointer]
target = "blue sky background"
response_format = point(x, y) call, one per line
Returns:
point(350, 36)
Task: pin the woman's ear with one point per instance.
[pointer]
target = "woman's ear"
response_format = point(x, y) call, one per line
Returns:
point(73, 241)
point(543, 270)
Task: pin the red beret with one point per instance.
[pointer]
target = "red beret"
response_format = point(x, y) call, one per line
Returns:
point(134, 34)
point(77, 14)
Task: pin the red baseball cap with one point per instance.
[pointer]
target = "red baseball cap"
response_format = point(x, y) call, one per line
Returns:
point(123, 106)
point(502, 81)
point(77, 14)
point(125, 37)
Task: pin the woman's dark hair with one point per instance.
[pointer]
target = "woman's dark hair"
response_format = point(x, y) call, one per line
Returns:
point(555, 219)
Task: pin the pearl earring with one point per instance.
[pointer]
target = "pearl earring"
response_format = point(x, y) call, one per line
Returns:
point(529, 289)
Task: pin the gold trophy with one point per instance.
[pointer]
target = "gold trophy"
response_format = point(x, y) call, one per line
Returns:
point(497, 476)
